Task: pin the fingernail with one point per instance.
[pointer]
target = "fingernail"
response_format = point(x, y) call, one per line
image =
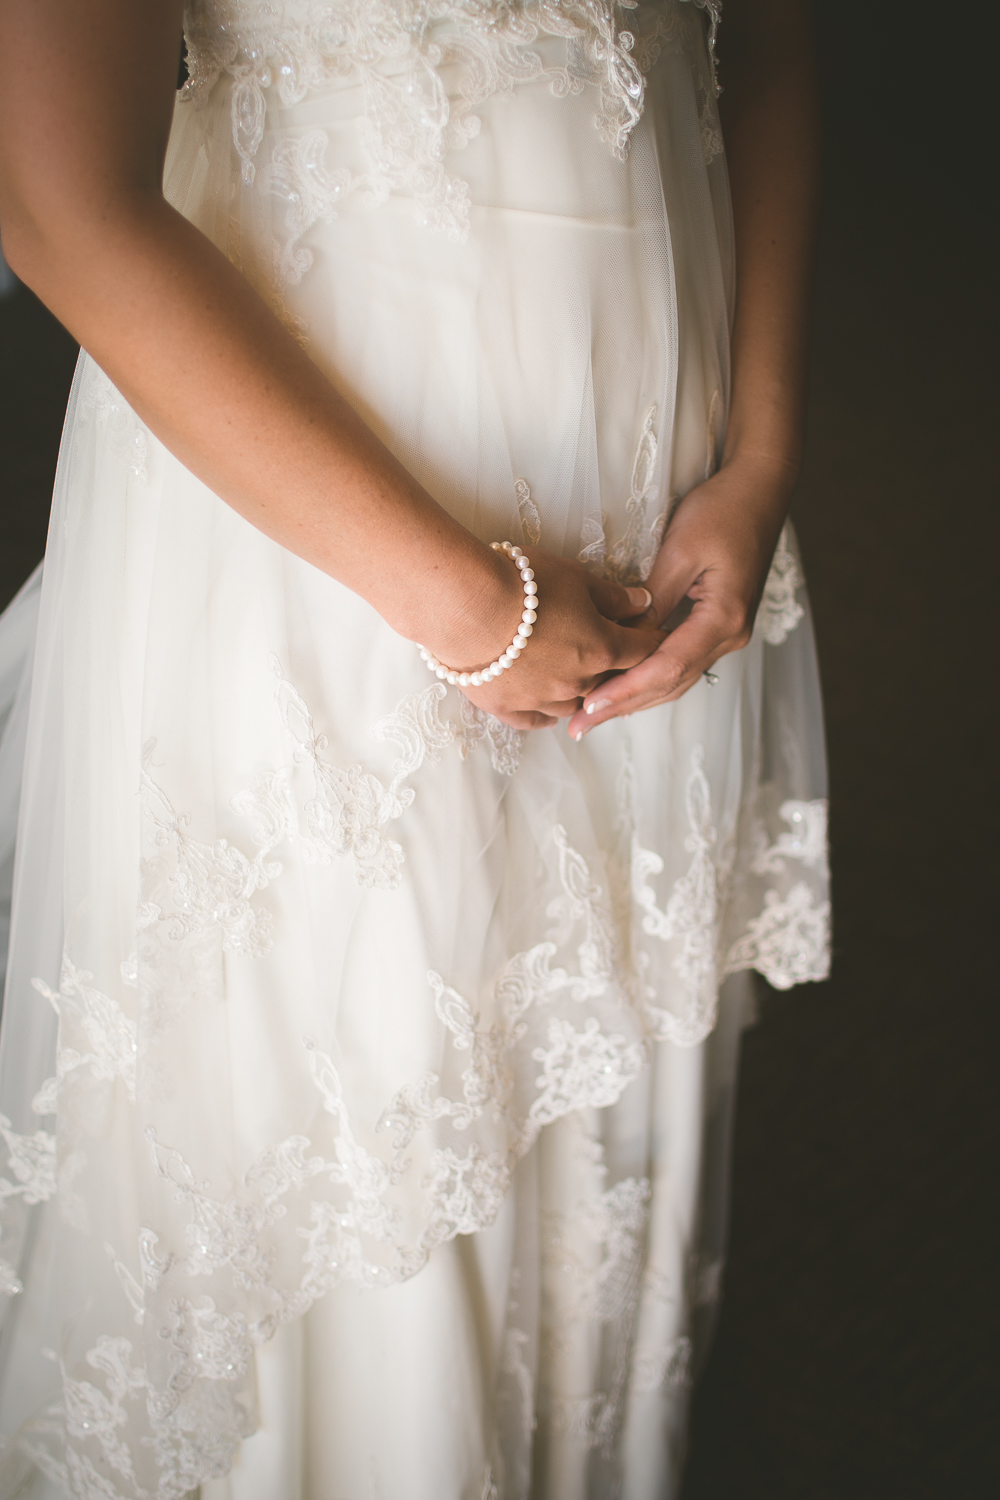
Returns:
point(578, 736)
point(640, 596)
point(597, 705)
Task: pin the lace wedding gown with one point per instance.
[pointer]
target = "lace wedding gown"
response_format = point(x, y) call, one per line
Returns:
point(367, 1065)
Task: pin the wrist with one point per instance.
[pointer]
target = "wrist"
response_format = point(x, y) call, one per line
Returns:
point(476, 674)
point(484, 608)
point(770, 478)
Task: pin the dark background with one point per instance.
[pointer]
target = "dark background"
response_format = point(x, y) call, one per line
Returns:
point(855, 1357)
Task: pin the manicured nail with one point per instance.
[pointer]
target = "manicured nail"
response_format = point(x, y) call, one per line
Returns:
point(578, 736)
point(597, 705)
point(642, 596)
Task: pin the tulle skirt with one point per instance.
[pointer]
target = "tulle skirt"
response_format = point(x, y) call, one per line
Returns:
point(367, 1066)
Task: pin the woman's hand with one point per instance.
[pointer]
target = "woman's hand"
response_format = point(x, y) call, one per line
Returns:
point(706, 584)
point(715, 556)
point(574, 643)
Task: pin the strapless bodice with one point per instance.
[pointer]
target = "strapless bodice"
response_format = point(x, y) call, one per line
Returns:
point(418, 70)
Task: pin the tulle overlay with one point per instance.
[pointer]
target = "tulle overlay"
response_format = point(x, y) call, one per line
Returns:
point(316, 969)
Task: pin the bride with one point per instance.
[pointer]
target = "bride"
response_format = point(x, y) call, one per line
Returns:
point(372, 1007)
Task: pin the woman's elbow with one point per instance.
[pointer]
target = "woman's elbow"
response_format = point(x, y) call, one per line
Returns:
point(55, 229)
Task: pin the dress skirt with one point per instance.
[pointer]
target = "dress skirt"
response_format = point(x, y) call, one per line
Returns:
point(367, 1066)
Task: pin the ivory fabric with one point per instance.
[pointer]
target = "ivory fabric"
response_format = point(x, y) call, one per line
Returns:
point(366, 1066)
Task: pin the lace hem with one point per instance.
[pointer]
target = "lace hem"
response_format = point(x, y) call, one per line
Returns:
point(569, 1024)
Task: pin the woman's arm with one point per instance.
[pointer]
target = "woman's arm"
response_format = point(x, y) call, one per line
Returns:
point(85, 112)
point(719, 544)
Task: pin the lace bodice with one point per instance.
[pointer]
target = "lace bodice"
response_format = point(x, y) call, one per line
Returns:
point(424, 66)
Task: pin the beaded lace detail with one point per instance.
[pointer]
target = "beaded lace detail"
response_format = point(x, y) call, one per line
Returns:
point(424, 67)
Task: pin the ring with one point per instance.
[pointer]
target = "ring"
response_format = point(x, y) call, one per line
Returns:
point(710, 678)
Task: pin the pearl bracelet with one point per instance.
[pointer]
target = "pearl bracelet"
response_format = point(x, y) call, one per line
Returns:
point(507, 658)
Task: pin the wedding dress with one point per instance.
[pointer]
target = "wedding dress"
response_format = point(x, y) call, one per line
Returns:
point(367, 1065)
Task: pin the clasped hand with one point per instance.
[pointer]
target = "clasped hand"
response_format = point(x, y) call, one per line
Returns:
point(601, 650)
point(576, 640)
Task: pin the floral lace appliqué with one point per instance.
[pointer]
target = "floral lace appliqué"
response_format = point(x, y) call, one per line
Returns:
point(780, 611)
point(629, 560)
point(107, 1036)
point(505, 742)
point(125, 434)
point(788, 941)
point(211, 884)
point(400, 55)
point(632, 556)
point(690, 917)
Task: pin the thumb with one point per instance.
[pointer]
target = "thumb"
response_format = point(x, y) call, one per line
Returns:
point(630, 647)
point(615, 601)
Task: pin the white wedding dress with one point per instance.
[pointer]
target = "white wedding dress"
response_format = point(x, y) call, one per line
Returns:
point(367, 1066)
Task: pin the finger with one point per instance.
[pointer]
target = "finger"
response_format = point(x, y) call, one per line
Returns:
point(665, 675)
point(582, 723)
point(525, 718)
point(564, 709)
point(685, 653)
point(652, 696)
point(677, 581)
point(615, 601)
point(630, 647)
point(645, 687)
point(544, 713)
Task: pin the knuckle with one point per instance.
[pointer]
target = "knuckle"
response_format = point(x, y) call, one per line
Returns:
point(571, 687)
point(604, 656)
point(738, 625)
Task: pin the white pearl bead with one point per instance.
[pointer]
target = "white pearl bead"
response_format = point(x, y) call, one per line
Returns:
point(508, 657)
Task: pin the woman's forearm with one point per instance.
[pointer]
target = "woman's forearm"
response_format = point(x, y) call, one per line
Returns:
point(721, 538)
point(226, 388)
point(211, 370)
point(771, 126)
point(198, 355)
